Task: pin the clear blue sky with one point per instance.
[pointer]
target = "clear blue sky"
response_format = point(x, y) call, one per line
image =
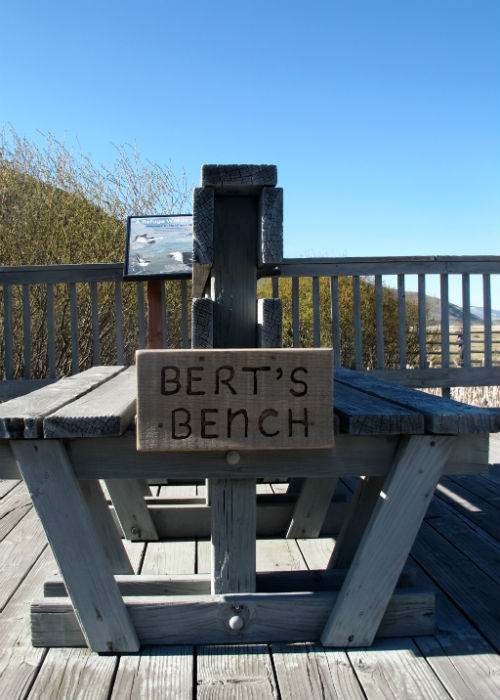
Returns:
point(381, 115)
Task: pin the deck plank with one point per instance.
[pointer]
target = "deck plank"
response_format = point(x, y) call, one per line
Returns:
point(155, 673)
point(13, 507)
point(240, 671)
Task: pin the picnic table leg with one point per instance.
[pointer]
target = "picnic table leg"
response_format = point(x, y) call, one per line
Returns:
point(106, 527)
point(60, 504)
point(386, 541)
point(127, 496)
point(311, 507)
point(363, 501)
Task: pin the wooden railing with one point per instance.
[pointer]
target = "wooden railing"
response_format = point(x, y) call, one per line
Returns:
point(61, 319)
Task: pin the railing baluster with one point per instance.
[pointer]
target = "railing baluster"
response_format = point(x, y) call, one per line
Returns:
point(8, 332)
point(358, 339)
point(334, 294)
point(26, 331)
point(51, 332)
point(119, 323)
point(295, 312)
point(445, 322)
point(487, 320)
point(185, 319)
point(422, 322)
point(275, 287)
point(466, 320)
point(141, 315)
point(402, 321)
point(73, 305)
point(316, 313)
point(379, 321)
point(96, 345)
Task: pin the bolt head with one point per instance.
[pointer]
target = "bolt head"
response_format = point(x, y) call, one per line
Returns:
point(236, 623)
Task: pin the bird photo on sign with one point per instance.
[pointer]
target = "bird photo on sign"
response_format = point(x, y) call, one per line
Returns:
point(159, 246)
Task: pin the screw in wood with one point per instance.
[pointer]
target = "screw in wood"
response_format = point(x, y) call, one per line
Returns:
point(233, 457)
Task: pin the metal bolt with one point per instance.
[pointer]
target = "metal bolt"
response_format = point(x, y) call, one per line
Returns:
point(233, 457)
point(236, 623)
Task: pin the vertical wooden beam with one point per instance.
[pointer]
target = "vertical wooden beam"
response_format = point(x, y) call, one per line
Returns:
point(94, 303)
point(73, 305)
point(487, 320)
point(270, 323)
point(8, 331)
point(119, 323)
point(422, 321)
point(402, 321)
point(334, 294)
point(51, 331)
point(445, 322)
point(154, 316)
point(466, 347)
point(379, 322)
point(358, 337)
point(27, 331)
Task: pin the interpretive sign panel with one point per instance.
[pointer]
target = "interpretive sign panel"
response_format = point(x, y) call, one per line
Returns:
point(234, 399)
point(158, 247)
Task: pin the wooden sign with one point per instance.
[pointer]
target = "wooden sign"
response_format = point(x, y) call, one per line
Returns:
point(234, 399)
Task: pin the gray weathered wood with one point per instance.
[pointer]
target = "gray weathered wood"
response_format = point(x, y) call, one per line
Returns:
point(96, 346)
point(311, 507)
point(51, 331)
point(335, 313)
point(487, 320)
point(360, 508)
point(127, 496)
point(358, 338)
point(268, 617)
point(119, 322)
point(402, 321)
point(73, 305)
point(270, 323)
point(379, 320)
point(202, 323)
point(223, 671)
point(270, 243)
point(7, 331)
point(105, 526)
point(442, 416)
point(352, 456)
point(75, 545)
point(386, 541)
point(23, 417)
point(233, 535)
point(229, 177)
point(203, 226)
point(316, 313)
point(108, 410)
point(295, 312)
point(466, 332)
point(422, 322)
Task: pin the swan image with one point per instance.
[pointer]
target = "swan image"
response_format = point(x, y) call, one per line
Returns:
point(142, 262)
point(144, 238)
point(181, 257)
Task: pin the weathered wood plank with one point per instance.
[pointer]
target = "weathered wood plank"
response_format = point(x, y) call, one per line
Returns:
point(228, 178)
point(442, 416)
point(386, 541)
point(270, 323)
point(135, 519)
point(233, 502)
point(270, 241)
point(18, 668)
point(352, 456)
point(205, 619)
point(51, 482)
point(311, 507)
point(311, 672)
point(203, 226)
point(156, 673)
point(172, 556)
point(242, 671)
point(364, 414)
point(23, 417)
point(13, 507)
point(202, 323)
point(74, 673)
point(108, 410)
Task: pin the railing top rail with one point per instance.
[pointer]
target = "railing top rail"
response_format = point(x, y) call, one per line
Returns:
point(290, 267)
point(435, 264)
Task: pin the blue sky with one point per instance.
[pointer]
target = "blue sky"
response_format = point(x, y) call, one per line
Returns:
point(381, 115)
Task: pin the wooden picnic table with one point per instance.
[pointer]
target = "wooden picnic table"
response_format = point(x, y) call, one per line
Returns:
point(66, 436)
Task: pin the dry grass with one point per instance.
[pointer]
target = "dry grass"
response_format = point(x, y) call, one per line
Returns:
point(486, 396)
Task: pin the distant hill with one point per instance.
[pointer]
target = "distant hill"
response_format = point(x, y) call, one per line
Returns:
point(456, 312)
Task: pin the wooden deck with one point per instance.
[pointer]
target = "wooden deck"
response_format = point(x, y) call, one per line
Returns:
point(457, 552)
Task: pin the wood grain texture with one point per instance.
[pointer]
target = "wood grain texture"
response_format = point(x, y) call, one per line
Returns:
point(23, 417)
point(270, 243)
point(442, 416)
point(270, 323)
point(233, 536)
point(223, 672)
point(204, 619)
point(51, 482)
point(127, 496)
point(203, 225)
point(352, 456)
point(386, 541)
point(202, 323)
point(311, 507)
point(18, 669)
point(237, 177)
point(107, 410)
point(156, 673)
point(310, 672)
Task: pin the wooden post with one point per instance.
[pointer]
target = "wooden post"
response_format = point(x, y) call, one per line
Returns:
point(237, 217)
point(154, 331)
